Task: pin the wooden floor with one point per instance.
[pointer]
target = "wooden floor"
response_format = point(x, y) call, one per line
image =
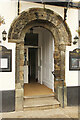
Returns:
point(34, 89)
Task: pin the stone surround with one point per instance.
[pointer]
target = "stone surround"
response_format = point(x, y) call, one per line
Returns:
point(62, 37)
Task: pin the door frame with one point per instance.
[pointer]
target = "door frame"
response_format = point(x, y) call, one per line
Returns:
point(38, 47)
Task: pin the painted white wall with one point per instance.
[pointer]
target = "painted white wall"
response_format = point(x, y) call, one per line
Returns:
point(46, 42)
point(47, 59)
point(8, 10)
point(72, 21)
point(26, 5)
point(7, 79)
point(71, 77)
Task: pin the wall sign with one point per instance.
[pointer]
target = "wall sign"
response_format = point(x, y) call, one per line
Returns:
point(74, 59)
point(5, 59)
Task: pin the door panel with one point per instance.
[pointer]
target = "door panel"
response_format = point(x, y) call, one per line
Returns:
point(48, 62)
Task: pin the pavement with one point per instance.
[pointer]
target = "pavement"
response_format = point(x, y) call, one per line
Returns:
point(56, 113)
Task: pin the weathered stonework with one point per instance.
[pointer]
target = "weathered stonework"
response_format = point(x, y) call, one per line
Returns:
point(52, 22)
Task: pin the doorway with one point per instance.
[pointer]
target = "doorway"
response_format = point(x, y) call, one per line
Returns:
point(33, 65)
point(38, 55)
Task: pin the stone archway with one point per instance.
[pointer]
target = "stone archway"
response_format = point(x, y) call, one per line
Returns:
point(62, 38)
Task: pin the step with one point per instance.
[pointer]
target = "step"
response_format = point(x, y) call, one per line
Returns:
point(47, 102)
point(39, 96)
point(45, 107)
point(40, 101)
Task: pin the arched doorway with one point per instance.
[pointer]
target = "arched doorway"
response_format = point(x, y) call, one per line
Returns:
point(62, 37)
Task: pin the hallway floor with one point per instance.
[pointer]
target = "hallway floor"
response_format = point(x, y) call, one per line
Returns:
point(36, 89)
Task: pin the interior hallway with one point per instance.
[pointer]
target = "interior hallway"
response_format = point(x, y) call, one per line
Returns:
point(34, 89)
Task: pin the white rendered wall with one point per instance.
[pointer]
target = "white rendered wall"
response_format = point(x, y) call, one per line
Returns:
point(26, 5)
point(71, 77)
point(8, 10)
point(7, 79)
point(73, 21)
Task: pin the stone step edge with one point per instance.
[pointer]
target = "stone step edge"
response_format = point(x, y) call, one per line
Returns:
point(41, 105)
point(41, 108)
point(39, 96)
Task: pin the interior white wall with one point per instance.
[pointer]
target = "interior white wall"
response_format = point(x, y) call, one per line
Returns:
point(46, 41)
point(7, 79)
point(47, 59)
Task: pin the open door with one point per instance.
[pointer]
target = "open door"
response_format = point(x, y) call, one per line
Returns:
point(40, 65)
point(26, 65)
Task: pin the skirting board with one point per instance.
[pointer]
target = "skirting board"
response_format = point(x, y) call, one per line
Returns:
point(49, 85)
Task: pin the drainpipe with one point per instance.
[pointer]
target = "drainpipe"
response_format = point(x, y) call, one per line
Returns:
point(65, 11)
point(65, 14)
point(69, 4)
point(18, 6)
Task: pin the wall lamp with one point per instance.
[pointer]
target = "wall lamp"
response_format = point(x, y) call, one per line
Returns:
point(4, 35)
point(75, 40)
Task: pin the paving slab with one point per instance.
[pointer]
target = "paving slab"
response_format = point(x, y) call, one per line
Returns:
point(68, 112)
